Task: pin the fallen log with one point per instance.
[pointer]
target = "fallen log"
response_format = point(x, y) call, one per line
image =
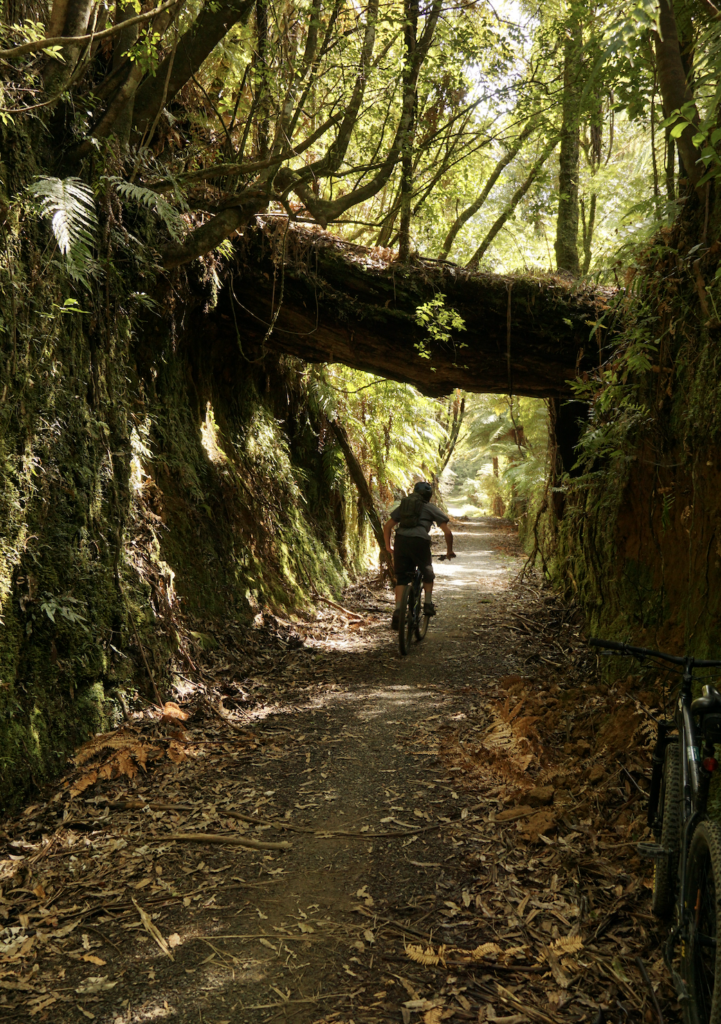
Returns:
point(334, 301)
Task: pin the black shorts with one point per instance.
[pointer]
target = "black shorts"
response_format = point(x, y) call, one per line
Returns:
point(408, 553)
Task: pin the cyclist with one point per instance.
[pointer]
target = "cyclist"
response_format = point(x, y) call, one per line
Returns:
point(414, 517)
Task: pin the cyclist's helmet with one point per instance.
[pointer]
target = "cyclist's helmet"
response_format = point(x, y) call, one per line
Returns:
point(424, 489)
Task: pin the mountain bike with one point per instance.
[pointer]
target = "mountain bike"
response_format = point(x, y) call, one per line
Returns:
point(687, 847)
point(411, 620)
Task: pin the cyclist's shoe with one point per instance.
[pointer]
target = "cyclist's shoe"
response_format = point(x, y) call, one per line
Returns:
point(429, 609)
point(395, 621)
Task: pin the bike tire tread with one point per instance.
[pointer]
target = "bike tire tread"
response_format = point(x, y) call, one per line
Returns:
point(665, 878)
point(404, 633)
point(706, 841)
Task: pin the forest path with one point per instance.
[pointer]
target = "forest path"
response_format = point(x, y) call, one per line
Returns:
point(463, 797)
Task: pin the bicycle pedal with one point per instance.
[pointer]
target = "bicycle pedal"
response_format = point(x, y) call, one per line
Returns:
point(653, 851)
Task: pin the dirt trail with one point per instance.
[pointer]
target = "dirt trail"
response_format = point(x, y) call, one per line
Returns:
point(488, 871)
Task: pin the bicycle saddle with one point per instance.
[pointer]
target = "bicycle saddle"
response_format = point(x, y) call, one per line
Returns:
point(709, 701)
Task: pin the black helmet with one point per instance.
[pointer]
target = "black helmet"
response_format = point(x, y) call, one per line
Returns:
point(424, 489)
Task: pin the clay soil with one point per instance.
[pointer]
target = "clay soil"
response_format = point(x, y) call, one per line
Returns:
point(447, 836)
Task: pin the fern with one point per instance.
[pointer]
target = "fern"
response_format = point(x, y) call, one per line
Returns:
point(152, 201)
point(69, 204)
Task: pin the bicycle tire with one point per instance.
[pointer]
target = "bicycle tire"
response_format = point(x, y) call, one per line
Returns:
point(665, 876)
point(405, 621)
point(700, 953)
point(421, 625)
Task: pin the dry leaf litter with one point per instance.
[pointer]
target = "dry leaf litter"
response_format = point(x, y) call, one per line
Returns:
point(316, 829)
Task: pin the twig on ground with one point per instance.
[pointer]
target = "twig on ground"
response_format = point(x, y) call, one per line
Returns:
point(209, 837)
point(651, 991)
point(103, 936)
point(338, 607)
point(309, 999)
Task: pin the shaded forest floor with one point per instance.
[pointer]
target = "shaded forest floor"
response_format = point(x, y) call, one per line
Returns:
point(462, 825)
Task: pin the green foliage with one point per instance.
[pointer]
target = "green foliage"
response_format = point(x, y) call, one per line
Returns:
point(69, 204)
point(397, 434)
point(167, 213)
point(507, 436)
point(440, 322)
point(66, 606)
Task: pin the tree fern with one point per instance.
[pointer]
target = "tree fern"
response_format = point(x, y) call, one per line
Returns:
point(69, 204)
point(151, 201)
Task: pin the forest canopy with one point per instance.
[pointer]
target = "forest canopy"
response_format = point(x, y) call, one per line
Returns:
point(505, 136)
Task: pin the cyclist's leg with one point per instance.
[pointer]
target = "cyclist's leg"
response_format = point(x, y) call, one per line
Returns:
point(426, 564)
point(405, 567)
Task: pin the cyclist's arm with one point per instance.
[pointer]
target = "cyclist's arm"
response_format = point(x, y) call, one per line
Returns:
point(450, 553)
point(387, 530)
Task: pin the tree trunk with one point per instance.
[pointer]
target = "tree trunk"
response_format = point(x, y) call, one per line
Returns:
point(588, 225)
point(675, 89)
point(475, 206)
point(567, 222)
point(410, 32)
point(364, 492)
point(670, 166)
point(59, 72)
point(123, 43)
point(56, 23)
point(386, 231)
point(512, 204)
point(201, 38)
point(262, 84)
point(458, 414)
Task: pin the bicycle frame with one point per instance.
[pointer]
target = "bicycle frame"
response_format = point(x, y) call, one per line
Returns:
point(418, 621)
point(695, 778)
point(417, 598)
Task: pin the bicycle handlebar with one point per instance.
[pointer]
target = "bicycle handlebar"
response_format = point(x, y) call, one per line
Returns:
point(641, 652)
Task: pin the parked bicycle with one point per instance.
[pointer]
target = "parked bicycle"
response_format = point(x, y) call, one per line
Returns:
point(411, 620)
point(687, 851)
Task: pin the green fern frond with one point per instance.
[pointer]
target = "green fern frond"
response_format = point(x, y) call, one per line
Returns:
point(128, 190)
point(69, 204)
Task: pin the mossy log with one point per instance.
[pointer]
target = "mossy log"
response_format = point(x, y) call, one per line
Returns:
point(333, 301)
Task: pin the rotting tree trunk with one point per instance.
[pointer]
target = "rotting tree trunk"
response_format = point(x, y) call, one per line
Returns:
point(568, 164)
point(342, 303)
point(364, 492)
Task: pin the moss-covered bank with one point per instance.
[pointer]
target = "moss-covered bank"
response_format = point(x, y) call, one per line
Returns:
point(638, 540)
point(146, 469)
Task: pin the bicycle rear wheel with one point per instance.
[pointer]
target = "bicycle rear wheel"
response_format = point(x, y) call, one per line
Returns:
point(701, 954)
point(421, 619)
point(405, 620)
point(665, 877)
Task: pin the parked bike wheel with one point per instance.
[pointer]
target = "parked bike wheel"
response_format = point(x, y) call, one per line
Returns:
point(701, 956)
point(665, 879)
point(405, 621)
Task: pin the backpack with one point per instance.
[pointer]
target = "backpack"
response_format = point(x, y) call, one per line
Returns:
point(409, 511)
